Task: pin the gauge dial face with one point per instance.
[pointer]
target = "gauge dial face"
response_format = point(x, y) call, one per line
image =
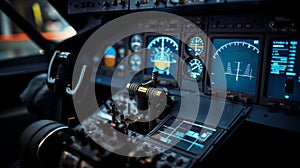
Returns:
point(135, 62)
point(110, 56)
point(195, 46)
point(163, 52)
point(239, 58)
point(194, 68)
point(136, 42)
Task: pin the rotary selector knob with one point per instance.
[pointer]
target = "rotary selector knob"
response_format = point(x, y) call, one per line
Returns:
point(106, 4)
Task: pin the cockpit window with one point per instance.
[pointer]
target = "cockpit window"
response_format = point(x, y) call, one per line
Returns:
point(43, 17)
point(14, 42)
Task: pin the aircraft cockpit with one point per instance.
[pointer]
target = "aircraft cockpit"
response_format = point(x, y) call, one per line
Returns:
point(149, 83)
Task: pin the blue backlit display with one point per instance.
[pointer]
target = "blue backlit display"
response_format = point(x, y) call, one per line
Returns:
point(185, 135)
point(284, 70)
point(162, 55)
point(240, 59)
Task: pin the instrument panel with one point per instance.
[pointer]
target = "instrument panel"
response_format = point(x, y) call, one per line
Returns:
point(251, 62)
point(173, 60)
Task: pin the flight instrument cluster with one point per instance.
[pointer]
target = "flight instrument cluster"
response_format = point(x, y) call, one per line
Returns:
point(245, 59)
point(166, 54)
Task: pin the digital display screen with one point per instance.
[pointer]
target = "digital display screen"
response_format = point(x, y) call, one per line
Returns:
point(185, 135)
point(240, 59)
point(284, 70)
point(162, 56)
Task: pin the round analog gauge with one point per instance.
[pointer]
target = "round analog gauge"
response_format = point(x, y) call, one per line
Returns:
point(110, 57)
point(195, 46)
point(163, 50)
point(194, 68)
point(135, 62)
point(136, 42)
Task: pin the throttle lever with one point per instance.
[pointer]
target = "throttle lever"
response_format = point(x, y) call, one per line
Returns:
point(50, 79)
point(62, 61)
point(73, 91)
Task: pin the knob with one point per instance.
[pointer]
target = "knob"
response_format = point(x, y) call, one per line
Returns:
point(145, 147)
point(123, 3)
point(72, 122)
point(64, 137)
point(106, 4)
point(137, 3)
point(156, 2)
point(179, 162)
point(115, 3)
point(83, 137)
point(170, 158)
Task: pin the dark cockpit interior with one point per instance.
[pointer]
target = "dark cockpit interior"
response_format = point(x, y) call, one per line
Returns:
point(149, 83)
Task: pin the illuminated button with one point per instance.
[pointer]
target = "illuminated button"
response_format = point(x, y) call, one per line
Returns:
point(204, 135)
point(248, 26)
point(230, 25)
point(222, 26)
point(144, 1)
point(239, 26)
point(174, 2)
